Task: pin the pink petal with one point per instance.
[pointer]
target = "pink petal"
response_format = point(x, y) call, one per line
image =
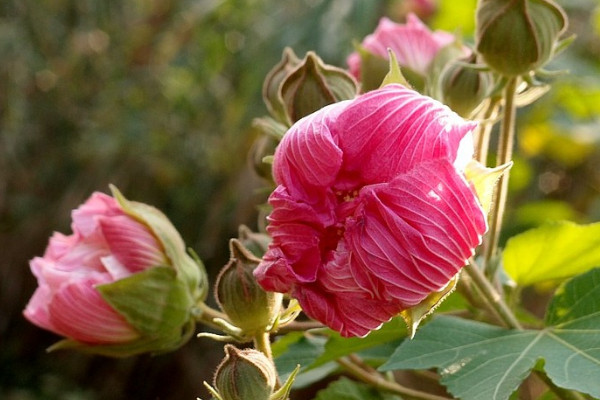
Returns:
point(308, 158)
point(350, 315)
point(85, 218)
point(131, 243)
point(60, 245)
point(414, 45)
point(79, 312)
point(297, 229)
point(386, 132)
point(36, 310)
point(415, 233)
point(274, 272)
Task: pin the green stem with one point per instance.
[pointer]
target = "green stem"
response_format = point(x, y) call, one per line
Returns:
point(491, 296)
point(378, 381)
point(206, 315)
point(503, 156)
point(262, 343)
point(484, 131)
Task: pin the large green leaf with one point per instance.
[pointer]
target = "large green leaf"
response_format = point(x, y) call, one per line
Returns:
point(554, 251)
point(480, 361)
point(345, 389)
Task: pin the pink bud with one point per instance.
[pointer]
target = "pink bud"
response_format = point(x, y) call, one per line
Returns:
point(413, 43)
point(107, 246)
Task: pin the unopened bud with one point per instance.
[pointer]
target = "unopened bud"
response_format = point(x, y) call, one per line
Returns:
point(245, 374)
point(246, 304)
point(518, 36)
point(313, 85)
point(273, 81)
point(463, 88)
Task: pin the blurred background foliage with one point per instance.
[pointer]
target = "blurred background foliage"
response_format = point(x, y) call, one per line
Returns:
point(157, 97)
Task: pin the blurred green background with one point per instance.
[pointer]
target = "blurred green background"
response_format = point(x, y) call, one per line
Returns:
point(157, 97)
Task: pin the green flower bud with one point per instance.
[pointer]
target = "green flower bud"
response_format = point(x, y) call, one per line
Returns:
point(518, 36)
point(246, 304)
point(262, 147)
point(244, 375)
point(464, 88)
point(256, 242)
point(313, 85)
point(273, 81)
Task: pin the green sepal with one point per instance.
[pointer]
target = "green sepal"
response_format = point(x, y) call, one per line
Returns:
point(415, 315)
point(484, 180)
point(394, 74)
point(153, 301)
point(153, 345)
point(283, 392)
point(190, 271)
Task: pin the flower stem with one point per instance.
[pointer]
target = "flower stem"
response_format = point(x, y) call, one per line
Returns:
point(491, 295)
point(378, 381)
point(262, 343)
point(207, 314)
point(503, 156)
point(485, 129)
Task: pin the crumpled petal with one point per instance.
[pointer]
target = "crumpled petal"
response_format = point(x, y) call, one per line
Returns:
point(308, 156)
point(386, 132)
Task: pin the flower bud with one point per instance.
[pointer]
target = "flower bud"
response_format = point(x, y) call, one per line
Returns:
point(273, 81)
point(121, 284)
point(518, 36)
point(245, 374)
point(464, 88)
point(262, 147)
point(246, 304)
point(313, 85)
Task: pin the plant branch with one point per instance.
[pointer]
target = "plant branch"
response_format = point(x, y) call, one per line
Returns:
point(378, 381)
point(491, 295)
point(206, 315)
point(485, 129)
point(503, 156)
point(262, 343)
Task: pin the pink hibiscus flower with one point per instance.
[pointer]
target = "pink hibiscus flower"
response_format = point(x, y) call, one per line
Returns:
point(372, 212)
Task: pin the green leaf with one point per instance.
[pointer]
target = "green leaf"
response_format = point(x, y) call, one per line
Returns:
point(338, 346)
point(153, 301)
point(481, 361)
point(304, 351)
point(554, 251)
point(345, 389)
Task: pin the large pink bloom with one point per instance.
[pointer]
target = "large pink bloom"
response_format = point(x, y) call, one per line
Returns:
point(414, 45)
point(106, 245)
point(372, 212)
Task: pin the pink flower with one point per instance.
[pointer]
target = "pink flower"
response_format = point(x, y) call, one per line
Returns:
point(106, 245)
point(414, 45)
point(372, 212)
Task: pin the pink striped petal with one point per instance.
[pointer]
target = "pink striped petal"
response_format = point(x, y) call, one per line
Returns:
point(131, 243)
point(85, 218)
point(308, 156)
point(388, 131)
point(79, 312)
point(414, 45)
